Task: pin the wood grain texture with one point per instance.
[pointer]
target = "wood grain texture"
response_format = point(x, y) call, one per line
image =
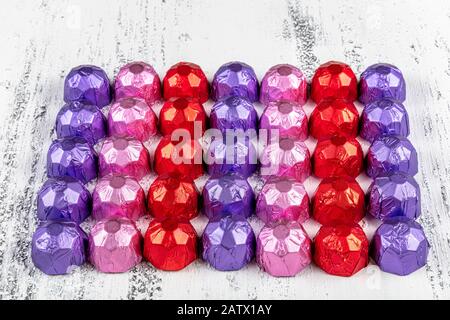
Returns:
point(42, 40)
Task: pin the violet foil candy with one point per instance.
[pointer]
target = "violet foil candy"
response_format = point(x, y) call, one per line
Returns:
point(63, 199)
point(384, 117)
point(391, 154)
point(400, 246)
point(283, 250)
point(115, 245)
point(89, 85)
point(233, 113)
point(72, 157)
point(58, 247)
point(235, 79)
point(228, 243)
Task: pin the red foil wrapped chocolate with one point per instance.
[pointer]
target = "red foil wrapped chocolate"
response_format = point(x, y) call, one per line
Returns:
point(341, 250)
point(338, 201)
point(170, 245)
point(338, 156)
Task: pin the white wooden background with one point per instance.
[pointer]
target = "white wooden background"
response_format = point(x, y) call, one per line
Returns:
point(42, 39)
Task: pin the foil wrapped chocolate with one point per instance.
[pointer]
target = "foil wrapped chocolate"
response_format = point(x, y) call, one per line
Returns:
point(382, 118)
point(283, 250)
point(286, 158)
point(391, 154)
point(228, 243)
point(115, 245)
point(287, 117)
point(381, 80)
point(72, 157)
point(281, 200)
point(63, 199)
point(124, 156)
point(235, 79)
point(170, 245)
point(400, 246)
point(76, 119)
point(118, 196)
point(394, 195)
point(233, 113)
point(229, 194)
point(133, 118)
point(89, 85)
point(284, 82)
point(138, 79)
point(58, 247)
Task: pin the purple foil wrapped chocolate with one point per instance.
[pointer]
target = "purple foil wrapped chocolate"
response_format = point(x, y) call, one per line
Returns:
point(63, 199)
point(89, 85)
point(235, 79)
point(233, 113)
point(400, 246)
point(228, 243)
point(58, 247)
point(72, 157)
point(391, 154)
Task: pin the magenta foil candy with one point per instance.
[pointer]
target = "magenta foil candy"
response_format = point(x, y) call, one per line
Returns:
point(228, 243)
point(391, 154)
point(63, 199)
point(400, 246)
point(115, 245)
point(234, 113)
point(89, 85)
point(118, 196)
point(138, 79)
point(283, 250)
point(235, 79)
point(58, 248)
point(283, 199)
point(72, 157)
point(124, 156)
point(284, 82)
point(132, 117)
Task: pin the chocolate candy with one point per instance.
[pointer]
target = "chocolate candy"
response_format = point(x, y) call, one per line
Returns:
point(233, 113)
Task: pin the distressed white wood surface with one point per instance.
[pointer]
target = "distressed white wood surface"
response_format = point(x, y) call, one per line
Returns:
point(41, 40)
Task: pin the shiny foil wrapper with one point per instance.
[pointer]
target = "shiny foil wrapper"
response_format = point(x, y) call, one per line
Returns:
point(182, 113)
point(235, 79)
point(138, 79)
point(286, 158)
point(58, 247)
point(179, 157)
point(284, 82)
point(124, 156)
point(400, 246)
point(225, 195)
point(281, 200)
point(174, 197)
point(391, 154)
point(170, 245)
point(283, 250)
point(337, 201)
point(233, 113)
point(382, 118)
point(335, 80)
point(341, 250)
point(228, 243)
point(288, 118)
point(133, 118)
point(118, 196)
point(334, 117)
point(63, 199)
point(394, 195)
point(382, 80)
point(79, 120)
point(186, 80)
point(89, 85)
point(115, 245)
point(338, 156)
point(72, 157)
